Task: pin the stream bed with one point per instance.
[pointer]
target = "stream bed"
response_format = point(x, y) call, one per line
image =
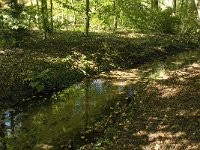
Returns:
point(67, 113)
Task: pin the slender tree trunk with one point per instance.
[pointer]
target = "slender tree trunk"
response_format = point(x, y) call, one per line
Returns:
point(115, 17)
point(197, 2)
point(154, 4)
point(184, 8)
point(45, 22)
point(32, 4)
point(37, 13)
point(174, 6)
point(182, 4)
point(74, 13)
point(30, 16)
point(115, 23)
point(13, 3)
point(87, 17)
point(51, 14)
point(62, 17)
point(62, 13)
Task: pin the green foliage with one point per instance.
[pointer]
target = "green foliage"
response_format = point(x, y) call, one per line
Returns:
point(154, 20)
point(110, 132)
point(14, 24)
point(85, 65)
point(166, 21)
point(105, 59)
point(101, 143)
point(37, 81)
point(69, 15)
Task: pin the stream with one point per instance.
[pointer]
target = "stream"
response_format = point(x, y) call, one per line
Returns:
point(65, 114)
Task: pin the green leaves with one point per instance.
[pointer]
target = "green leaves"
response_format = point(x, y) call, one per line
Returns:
point(38, 86)
point(37, 82)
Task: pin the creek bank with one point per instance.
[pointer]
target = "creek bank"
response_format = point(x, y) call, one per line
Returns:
point(38, 66)
point(123, 109)
point(163, 111)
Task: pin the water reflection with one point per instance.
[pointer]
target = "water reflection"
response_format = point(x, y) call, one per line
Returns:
point(70, 112)
point(129, 92)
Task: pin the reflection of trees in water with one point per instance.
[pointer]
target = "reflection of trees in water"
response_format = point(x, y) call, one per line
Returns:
point(75, 109)
point(2, 134)
point(97, 85)
point(87, 84)
point(7, 127)
point(9, 122)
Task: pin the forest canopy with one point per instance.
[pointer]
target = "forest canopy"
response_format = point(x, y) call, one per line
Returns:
point(166, 16)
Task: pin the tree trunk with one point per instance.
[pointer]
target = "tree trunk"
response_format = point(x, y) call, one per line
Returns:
point(174, 6)
point(154, 4)
point(45, 22)
point(197, 2)
point(182, 4)
point(184, 8)
point(51, 14)
point(37, 13)
point(74, 13)
point(115, 23)
point(115, 17)
point(87, 17)
point(13, 3)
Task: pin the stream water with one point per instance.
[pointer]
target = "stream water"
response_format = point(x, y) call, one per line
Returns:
point(66, 113)
point(63, 115)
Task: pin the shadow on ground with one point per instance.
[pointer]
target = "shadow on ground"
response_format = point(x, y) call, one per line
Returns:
point(164, 112)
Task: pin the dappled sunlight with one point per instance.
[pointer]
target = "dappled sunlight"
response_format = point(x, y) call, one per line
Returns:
point(44, 146)
point(101, 74)
point(140, 133)
point(130, 34)
point(188, 113)
point(160, 74)
point(122, 78)
point(120, 83)
point(195, 65)
point(165, 106)
point(171, 82)
point(166, 143)
point(125, 76)
point(161, 98)
point(76, 59)
point(164, 134)
point(51, 59)
point(168, 91)
point(187, 72)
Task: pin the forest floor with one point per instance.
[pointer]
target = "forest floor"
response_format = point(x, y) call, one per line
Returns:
point(38, 66)
point(163, 114)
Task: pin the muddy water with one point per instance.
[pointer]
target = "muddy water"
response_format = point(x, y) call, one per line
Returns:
point(42, 125)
